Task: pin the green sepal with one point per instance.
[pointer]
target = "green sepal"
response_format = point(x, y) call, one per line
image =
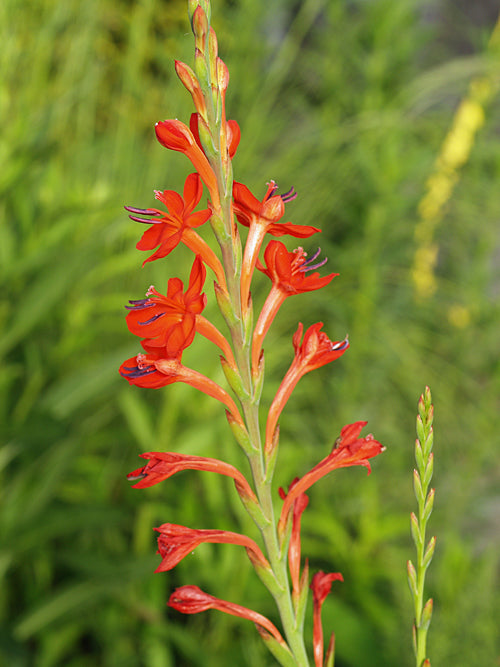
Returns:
point(248, 322)
point(429, 504)
point(425, 620)
point(415, 530)
point(234, 379)
point(241, 434)
point(201, 69)
point(429, 469)
point(271, 457)
point(300, 603)
point(207, 142)
point(420, 429)
point(412, 577)
point(225, 305)
point(330, 653)
point(429, 553)
point(266, 575)
point(255, 511)
point(258, 381)
point(280, 651)
point(419, 455)
point(417, 487)
point(428, 442)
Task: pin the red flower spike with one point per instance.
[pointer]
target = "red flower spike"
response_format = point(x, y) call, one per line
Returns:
point(316, 350)
point(321, 585)
point(162, 465)
point(348, 450)
point(289, 274)
point(262, 218)
point(192, 600)
point(177, 136)
point(299, 505)
point(175, 542)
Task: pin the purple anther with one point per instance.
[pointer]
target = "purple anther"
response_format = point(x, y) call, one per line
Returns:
point(142, 211)
point(148, 222)
point(342, 345)
point(140, 304)
point(136, 372)
point(309, 266)
point(155, 317)
point(289, 196)
point(134, 478)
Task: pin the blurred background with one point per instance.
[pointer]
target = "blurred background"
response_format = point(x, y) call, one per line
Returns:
point(384, 116)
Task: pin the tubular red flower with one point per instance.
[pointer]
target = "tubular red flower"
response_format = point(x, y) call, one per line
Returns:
point(162, 465)
point(175, 542)
point(155, 316)
point(262, 218)
point(316, 350)
point(177, 136)
point(348, 450)
point(192, 600)
point(161, 366)
point(177, 226)
point(289, 274)
point(299, 505)
point(321, 585)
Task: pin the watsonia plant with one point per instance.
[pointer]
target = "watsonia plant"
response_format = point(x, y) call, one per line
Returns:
point(168, 324)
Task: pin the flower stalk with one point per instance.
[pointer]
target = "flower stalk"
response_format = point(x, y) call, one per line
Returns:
point(168, 325)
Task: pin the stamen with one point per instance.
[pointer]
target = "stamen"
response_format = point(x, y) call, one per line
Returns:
point(289, 196)
point(308, 264)
point(155, 317)
point(142, 211)
point(134, 478)
point(140, 304)
point(148, 222)
point(341, 345)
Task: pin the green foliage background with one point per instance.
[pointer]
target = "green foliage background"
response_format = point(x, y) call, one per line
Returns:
point(349, 101)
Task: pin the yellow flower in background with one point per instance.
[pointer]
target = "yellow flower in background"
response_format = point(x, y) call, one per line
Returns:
point(454, 153)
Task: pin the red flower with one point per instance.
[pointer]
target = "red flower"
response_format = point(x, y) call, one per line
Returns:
point(177, 226)
point(348, 450)
point(175, 542)
point(192, 600)
point(176, 136)
point(289, 274)
point(162, 465)
point(299, 505)
point(321, 585)
point(315, 350)
point(161, 366)
point(156, 316)
point(262, 218)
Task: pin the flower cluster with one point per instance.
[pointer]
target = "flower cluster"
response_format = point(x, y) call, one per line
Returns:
point(168, 324)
